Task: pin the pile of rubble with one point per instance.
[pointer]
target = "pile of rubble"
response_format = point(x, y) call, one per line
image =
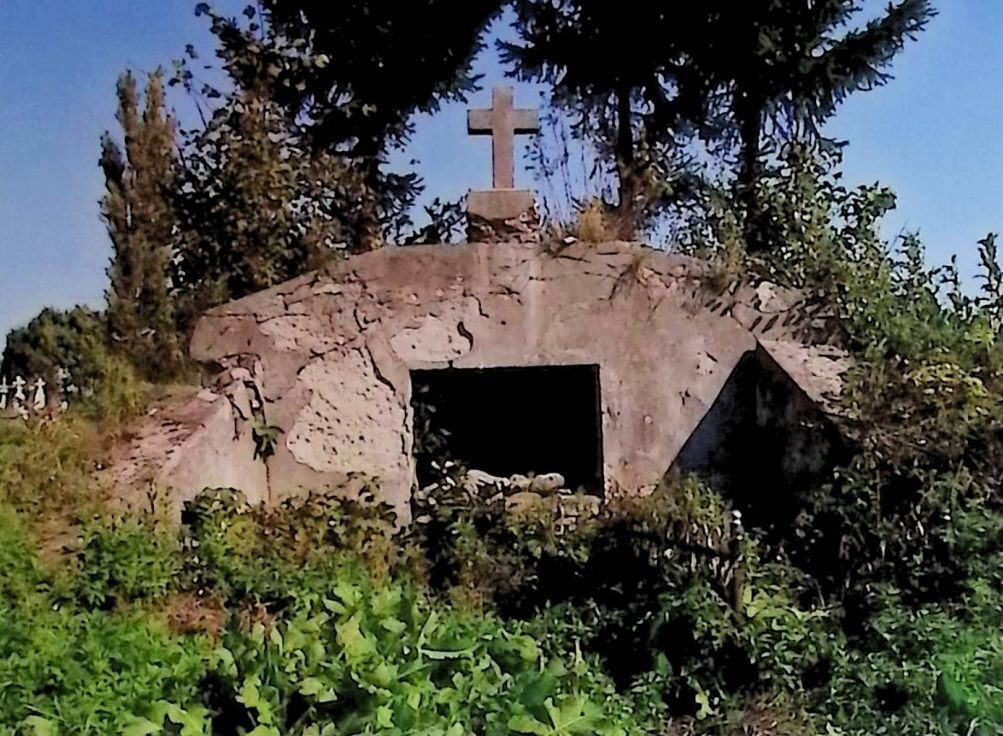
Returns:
point(520, 495)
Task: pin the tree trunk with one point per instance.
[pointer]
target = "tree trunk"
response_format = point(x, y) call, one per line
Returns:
point(750, 114)
point(627, 213)
point(624, 133)
point(369, 231)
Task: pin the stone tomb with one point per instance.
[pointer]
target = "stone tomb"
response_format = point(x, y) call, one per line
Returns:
point(608, 364)
point(640, 364)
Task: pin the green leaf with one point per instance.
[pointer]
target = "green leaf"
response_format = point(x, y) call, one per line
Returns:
point(355, 644)
point(38, 726)
point(538, 690)
point(706, 709)
point(575, 715)
point(527, 724)
point(135, 726)
point(393, 625)
point(313, 687)
point(440, 654)
point(249, 693)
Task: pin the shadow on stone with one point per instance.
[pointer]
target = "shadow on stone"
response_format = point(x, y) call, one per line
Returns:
point(762, 440)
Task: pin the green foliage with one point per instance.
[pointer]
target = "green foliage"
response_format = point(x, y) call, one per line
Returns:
point(934, 669)
point(262, 555)
point(918, 400)
point(126, 559)
point(75, 340)
point(256, 207)
point(803, 62)
point(704, 78)
point(45, 466)
point(638, 110)
point(407, 666)
point(141, 223)
point(313, 642)
point(932, 666)
point(475, 549)
point(21, 568)
point(445, 224)
point(120, 394)
point(69, 670)
point(905, 536)
point(104, 384)
point(266, 438)
point(352, 82)
point(662, 589)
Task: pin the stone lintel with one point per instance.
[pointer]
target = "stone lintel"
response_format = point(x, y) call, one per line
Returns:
point(500, 204)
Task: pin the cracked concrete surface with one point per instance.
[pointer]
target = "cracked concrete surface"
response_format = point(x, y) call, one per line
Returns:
point(333, 350)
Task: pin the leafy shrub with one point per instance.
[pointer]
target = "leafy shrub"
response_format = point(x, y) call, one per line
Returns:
point(906, 537)
point(73, 670)
point(257, 554)
point(359, 656)
point(106, 385)
point(75, 340)
point(118, 395)
point(126, 559)
point(45, 465)
point(472, 547)
point(89, 672)
point(662, 589)
point(22, 573)
point(312, 642)
point(925, 670)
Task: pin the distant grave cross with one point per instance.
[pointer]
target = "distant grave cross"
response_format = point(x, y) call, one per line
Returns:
point(502, 122)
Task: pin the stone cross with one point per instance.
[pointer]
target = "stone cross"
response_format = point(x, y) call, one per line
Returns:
point(4, 390)
point(19, 384)
point(502, 214)
point(502, 122)
point(65, 379)
point(39, 400)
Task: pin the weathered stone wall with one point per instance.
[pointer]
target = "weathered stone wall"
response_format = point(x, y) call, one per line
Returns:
point(332, 350)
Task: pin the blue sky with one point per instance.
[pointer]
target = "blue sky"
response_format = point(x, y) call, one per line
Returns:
point(934, 134)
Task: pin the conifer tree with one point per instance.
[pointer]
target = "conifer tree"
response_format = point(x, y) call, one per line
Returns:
point(350, 77)
point(785, 67)
point(637, 76)
point(137, 212)
point(619, 70)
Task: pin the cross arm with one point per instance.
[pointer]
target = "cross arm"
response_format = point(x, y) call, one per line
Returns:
point(525, 121)
point(479, 122)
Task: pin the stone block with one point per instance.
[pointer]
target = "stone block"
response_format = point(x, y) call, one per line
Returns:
point(500, 204)
point(547, 483)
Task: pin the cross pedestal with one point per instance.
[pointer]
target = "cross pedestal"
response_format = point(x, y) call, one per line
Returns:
point(490, 210)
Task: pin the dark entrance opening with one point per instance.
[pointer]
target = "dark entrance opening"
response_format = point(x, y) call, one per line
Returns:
point(505, 421)
point(762, 442)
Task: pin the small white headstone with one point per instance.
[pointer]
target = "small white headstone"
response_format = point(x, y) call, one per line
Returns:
point(39, 401)
point(19, 384)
